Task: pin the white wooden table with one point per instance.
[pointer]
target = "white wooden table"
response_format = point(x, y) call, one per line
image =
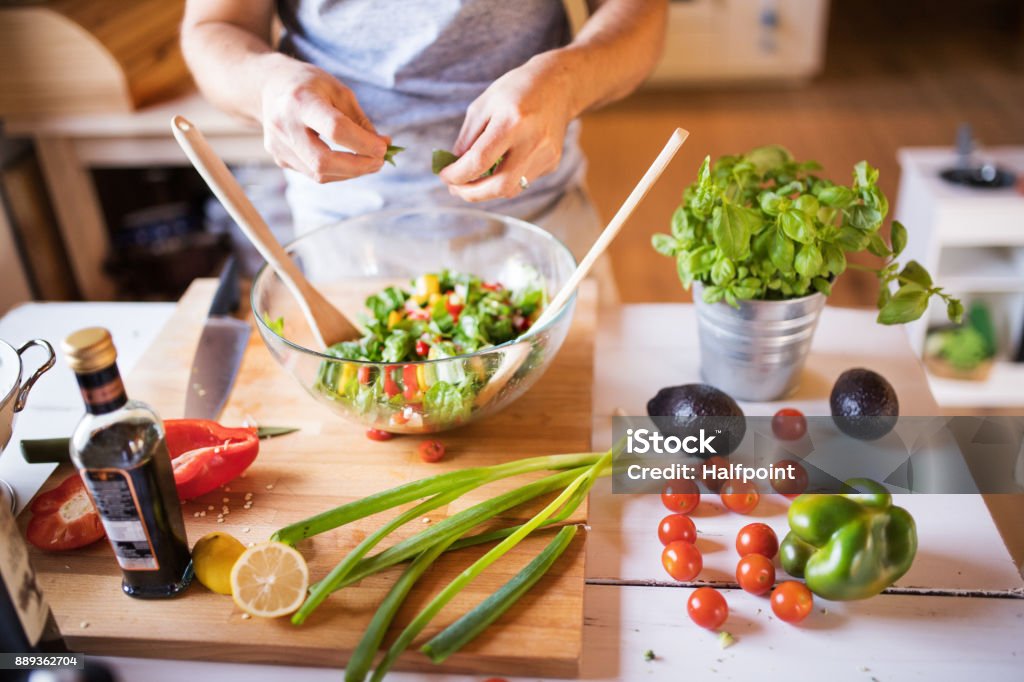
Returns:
point(959, 612)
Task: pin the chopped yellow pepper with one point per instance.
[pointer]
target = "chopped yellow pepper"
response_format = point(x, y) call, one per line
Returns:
point(425, 286)
point(394, 317)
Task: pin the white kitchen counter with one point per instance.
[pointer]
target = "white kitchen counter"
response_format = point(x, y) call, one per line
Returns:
point(961, 613)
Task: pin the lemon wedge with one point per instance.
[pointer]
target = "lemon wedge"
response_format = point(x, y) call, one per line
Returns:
point(269, 580)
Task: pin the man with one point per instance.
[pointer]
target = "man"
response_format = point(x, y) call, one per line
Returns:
point(489, 79)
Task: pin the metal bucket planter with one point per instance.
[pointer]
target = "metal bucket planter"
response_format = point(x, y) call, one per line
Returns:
point(757, 351)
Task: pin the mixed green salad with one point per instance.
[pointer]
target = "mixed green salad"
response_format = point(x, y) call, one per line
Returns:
point(444, 315)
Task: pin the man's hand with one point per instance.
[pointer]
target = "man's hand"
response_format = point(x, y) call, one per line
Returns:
point(302, 104)
point(521, 118)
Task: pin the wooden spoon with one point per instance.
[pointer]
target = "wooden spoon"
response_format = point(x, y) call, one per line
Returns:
point(516, 355)
point(328, 324)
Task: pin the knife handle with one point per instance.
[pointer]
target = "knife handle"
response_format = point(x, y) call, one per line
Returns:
point(227, 297)
point(46, 450)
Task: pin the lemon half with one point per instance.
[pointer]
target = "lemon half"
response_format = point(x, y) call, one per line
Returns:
point(213, 557)
point(269, 580)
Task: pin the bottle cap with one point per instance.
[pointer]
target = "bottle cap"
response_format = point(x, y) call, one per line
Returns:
point(89, 350)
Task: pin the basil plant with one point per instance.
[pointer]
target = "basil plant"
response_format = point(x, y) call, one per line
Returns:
point(761, 226)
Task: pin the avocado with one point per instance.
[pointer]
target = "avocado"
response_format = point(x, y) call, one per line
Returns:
point(683, 411)
point(864, 404)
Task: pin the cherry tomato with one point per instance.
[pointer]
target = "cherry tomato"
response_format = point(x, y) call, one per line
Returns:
point(790, 487)
point(364, 375)
point(739, 497)
point(377, 434)
point(707, 608)
point(422, 348)
point(789, 424)
point(792, 601)
point(757, 538)
point(431, 451)
point(681, 497)
point(682, 560)
point(677, 527)
point(717, 461)
point(755, 573)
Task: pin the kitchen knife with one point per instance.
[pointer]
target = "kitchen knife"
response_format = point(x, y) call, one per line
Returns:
point(57, 450)
point(220, 350)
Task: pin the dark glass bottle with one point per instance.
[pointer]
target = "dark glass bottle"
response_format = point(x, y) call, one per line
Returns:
point(120, 450)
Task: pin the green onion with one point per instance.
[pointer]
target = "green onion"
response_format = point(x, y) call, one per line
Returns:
point(467, 628)
point(393, 497)
point(454, 526)
point(362, 658)
point(586, 479)
point(324, 588)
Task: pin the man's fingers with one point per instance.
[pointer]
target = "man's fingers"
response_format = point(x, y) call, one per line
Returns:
point(327, 165)
point(333, 125)
point(504, 184)
point(485, 152)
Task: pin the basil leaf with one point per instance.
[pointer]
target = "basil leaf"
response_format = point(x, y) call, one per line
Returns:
point(836, 196)
point(898, 237)
point(684, 268)
point(908, 303)
point(665, 244)
point(723, 271)
point(441, 159)
point(808, 260)
point(732, 227)
point(852, 239)
point(397, 346)
point(772, 157)
point(772, 203)
point(864, 175)
point(914, 272)
point(275, 325)
point(877, 246)
point(808, 204)
point(884, 294)
point(392, 152)
point(713, 294)
point(797, 225)
point(822, 285)
point(782, 252)
point(681, 224)
point(955, 310)
point(863, 218)
point(835, 259)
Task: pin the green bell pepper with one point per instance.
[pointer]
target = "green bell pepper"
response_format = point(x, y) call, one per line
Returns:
point(849, 546)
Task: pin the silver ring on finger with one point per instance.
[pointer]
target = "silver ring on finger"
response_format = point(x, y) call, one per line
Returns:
point(524, 184)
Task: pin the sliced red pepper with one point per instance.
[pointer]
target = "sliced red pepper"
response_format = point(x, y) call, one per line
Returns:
point(64, 518)
point(391, 387)
point(491, 286)
point(412, 386)
point(206, 455)
point(364, 375)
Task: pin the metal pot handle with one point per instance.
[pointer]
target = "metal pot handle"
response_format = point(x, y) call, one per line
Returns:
point(19, 402)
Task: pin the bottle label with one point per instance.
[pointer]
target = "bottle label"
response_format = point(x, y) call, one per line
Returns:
point(20, 579)
point(118, 505)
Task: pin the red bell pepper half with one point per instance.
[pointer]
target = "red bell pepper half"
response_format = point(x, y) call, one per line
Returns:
point(64, 518)
point(206, 455)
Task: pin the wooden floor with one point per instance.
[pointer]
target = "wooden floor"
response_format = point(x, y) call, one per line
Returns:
point(896, 74)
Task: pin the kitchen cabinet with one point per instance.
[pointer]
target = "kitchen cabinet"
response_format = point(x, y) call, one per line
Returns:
point(972, 241)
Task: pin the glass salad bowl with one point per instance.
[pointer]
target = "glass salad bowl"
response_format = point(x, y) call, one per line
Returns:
point(440, 388)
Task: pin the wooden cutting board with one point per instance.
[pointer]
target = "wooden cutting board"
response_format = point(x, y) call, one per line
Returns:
point(330, 462)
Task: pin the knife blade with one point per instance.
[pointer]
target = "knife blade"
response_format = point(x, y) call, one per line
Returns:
point(220, 350)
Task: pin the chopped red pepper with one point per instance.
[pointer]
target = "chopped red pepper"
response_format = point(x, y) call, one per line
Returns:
point(64, 518)
point(491, 286)
point(364, 375)
point(412, 386)
point(206, 455)
point(422, 348)
point(454, 306)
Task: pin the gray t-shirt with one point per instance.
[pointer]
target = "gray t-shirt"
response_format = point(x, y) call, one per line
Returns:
point(415, 67)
